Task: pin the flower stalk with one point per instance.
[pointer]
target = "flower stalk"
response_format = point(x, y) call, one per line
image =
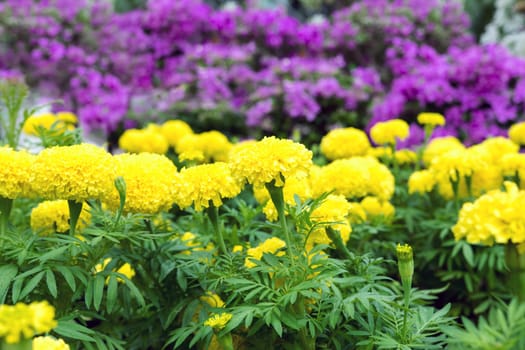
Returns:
point(213, 215)
point(277, 196)
point(6, 205)
point(515, 261)
point(405, 264)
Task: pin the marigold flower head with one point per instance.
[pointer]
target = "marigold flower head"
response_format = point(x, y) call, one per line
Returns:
point(218, 321)
point(23, 321)
point(332, 212)
point(53, 216)
point(269, 246)
point(150, 182)
point(174, 130)
point(344, 143)
point(380, 153)
point(78, 172)
point(517, 133)
point(405, 156)
point(205, 183)
point(212, 299)
point(61, 122)
point(497, 147)
point(49, 343)
point(356, 177)
point(512, 164)
point(495, 217)
point(269, 160)
point(389, 132)
point(377, 208)
point(422, 181)
point(149, 140)
point(14, 173)
point(214, 145)
point(438, 146)
point(432, 119)
point(356, 213)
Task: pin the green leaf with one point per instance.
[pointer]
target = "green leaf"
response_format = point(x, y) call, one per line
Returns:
point(98, 291)
point(31, 285)
point(277, 325)
point(73, 330)
point(111, 293)
point(51, 283)
point(68, 276)
point(7, 273)
point(468, 254)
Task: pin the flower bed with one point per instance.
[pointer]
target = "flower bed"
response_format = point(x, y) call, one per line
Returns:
point(261, 243)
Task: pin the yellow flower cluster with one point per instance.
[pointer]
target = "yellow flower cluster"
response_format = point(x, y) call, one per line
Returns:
point(23, 321)
point(495, 217)
point(376, 208)
point(405, 156)
point(174, 131)
point(431, 119)
point(205, 183)
point(389, 132)
point(218, 321)
point(150, 182)
point(209, 146)
point(78, 172)
point(269, 160)
point(14, 172)
point(356, 177)
point(53, 216)
point(517, 133)
point(439, 146)
point(422, 181)
point(270, 246)
point(333, 213)
point(344, 143)
point(149, 140)
point(61, 122)
point(49, 343)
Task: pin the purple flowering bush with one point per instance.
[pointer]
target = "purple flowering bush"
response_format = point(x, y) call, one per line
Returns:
point(262, 71)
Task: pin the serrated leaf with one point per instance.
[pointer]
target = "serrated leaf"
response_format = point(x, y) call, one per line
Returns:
point(31, 285)
point(51, 283)
point(7, 273)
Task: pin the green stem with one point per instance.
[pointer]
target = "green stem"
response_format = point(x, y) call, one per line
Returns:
point(75, 208)
point(406, 301)
point(213, 214)
point(6, 204)
point(516, 276)
point(277, 196)
point(335, 237)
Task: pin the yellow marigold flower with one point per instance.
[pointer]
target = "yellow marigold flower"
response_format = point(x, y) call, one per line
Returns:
point(293, 187)
point(344, 143)
point(494, 217)
point(389, 132)
point(78, 172)
point(356, 177)
point(517, 133)
point(237, 248)
point(380, 152)
point(497, 147)
point(202, 184)
point(148, 140)
point(332, 212)
point(270, 246)
point(192, 155)
point(214, 145)
point(356, 213)
point(14, 173)
point(212, 299)
point(459, 163)
point(22, 321)
point(433, 119)
point(150, 182)
point(269, 160)
point(377, 208)
point(218, 321)
point(512, 164)
point(49, 343)
point(53, 216)
point(405, 258)
point(405, 156)
point(439, 146)
point(422, 181)
point(174, 131)
point(61, 122)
